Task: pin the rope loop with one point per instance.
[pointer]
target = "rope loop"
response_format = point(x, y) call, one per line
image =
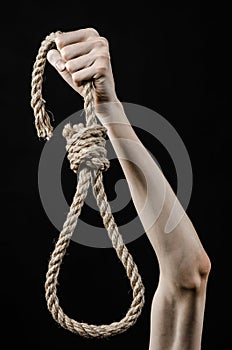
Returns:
point(85, 144)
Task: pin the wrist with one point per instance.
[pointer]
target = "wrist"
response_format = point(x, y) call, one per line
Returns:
point(110, 113)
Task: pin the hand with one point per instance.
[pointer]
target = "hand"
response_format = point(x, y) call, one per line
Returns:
point(83, 55)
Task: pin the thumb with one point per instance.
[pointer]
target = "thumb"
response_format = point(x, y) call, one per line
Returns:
point(55, 59)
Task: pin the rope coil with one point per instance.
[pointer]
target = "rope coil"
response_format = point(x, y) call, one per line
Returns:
point(85, 144)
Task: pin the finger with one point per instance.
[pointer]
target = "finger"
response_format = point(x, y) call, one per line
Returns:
point(80, 63)
point(85, 74)
point(78, 49)
point(82, 48)
point(55, 59)
point(95, 71)
point(64, 39)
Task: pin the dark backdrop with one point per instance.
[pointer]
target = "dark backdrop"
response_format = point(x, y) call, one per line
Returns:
point(173, 60)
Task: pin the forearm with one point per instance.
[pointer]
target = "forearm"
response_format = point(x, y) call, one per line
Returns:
point(153, 197)
point(151, 193)
point(149, 189)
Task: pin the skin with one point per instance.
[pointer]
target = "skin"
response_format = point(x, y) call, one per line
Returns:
point(178, 305)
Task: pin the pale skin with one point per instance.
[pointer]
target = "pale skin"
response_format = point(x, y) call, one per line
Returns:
point(177, 311)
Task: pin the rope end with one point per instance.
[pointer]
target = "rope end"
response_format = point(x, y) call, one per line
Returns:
point(43, 125)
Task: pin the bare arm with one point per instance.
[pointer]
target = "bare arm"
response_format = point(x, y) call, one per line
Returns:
point(178, 305)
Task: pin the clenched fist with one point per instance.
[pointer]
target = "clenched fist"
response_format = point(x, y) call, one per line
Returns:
point(83, 55)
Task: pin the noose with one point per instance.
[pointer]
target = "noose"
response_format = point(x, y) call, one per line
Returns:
point(85, 144)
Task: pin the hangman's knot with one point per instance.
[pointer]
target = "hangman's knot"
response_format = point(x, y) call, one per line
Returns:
point(86, 145)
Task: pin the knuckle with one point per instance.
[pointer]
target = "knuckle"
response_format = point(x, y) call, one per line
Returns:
point(59, 41)
point(103, 56)
point(101, 68)
point(101, 41)
point(92, 32)
point(105, 41)
point(64, 53)
point(69, 66)
point(76, 77)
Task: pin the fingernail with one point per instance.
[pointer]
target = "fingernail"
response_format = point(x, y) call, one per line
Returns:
point(60, 65)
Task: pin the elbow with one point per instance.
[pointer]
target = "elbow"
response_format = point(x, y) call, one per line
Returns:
point(194, 277)
point(204, 271)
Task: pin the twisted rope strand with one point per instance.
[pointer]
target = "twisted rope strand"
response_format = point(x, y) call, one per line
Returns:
point(42, 120)
point(85, 145)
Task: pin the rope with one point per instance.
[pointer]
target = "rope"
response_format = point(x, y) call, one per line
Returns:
point(85, 145)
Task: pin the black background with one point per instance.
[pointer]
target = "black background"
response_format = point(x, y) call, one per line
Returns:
point(173, 60)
